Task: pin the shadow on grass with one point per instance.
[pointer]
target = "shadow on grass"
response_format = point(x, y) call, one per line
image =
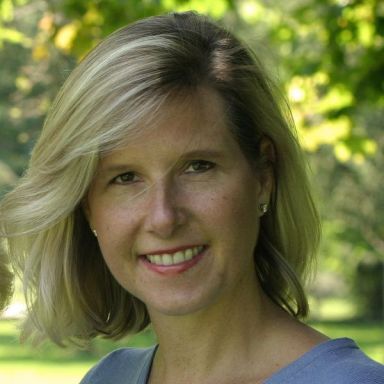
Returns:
point(8, 340)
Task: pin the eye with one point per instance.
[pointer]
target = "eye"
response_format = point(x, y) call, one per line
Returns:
point(125, 178)
point(199, 166)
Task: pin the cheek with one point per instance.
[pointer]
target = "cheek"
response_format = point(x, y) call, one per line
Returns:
point(239, 212)
point(115, 231)
point(234, 201)
point(116, 241)
point(232, 213)
point(110, 216)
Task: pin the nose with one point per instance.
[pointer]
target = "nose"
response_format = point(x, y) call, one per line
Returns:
point(164, 213)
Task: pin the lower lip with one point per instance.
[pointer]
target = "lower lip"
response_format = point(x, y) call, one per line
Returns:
point(174, 269)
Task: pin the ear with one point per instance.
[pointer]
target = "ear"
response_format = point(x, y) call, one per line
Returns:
point(87, 214)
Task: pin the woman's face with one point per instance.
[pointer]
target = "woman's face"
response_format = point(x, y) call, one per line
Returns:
point(176, 211)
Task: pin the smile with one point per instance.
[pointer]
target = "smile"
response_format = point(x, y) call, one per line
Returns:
point(178, 257)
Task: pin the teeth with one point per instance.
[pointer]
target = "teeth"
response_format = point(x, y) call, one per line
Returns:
point(167, 259)
point(178, 257)
point(175, 258)
point(189, 254)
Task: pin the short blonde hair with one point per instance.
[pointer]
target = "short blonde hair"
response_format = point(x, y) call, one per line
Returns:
point(71, 295)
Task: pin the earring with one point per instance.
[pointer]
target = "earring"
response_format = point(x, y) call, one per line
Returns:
point(263, 208)
point(94, 232)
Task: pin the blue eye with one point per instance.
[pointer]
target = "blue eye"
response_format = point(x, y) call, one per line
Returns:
point(199, 166)
point(125, 178)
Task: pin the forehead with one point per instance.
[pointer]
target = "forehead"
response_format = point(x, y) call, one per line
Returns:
point(186, 113)
point(183, 123)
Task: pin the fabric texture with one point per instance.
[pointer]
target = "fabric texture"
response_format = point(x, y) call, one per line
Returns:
point(338, 361)
point(123, 366)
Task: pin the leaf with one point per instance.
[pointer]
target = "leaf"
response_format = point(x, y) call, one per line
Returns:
point(6, 10)
point(66, 35)
point(14, 36)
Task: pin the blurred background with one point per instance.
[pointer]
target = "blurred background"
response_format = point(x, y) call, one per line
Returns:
point(327, 56)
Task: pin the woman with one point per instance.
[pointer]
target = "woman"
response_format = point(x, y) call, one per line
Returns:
point(167, 187)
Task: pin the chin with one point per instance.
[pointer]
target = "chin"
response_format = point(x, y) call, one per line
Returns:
point(184, 307)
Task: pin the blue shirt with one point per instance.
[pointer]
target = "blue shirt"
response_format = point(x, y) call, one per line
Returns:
point(338, 361)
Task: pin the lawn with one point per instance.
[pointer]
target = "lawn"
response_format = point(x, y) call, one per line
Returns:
point(49, 364)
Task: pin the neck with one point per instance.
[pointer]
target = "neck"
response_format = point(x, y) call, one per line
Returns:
point(200, 347)
point(244, 339)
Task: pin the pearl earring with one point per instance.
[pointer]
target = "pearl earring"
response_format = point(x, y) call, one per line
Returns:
point(94, 232)
point(263, 208)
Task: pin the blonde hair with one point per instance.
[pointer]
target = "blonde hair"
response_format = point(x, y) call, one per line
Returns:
point(71, 295)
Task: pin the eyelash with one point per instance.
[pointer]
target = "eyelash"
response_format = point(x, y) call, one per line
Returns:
point(115, 180)
point(202, 165)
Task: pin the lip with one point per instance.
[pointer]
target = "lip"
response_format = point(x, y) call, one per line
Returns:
point(175, 269)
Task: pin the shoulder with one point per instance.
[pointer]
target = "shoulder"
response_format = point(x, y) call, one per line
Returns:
point(349, 365)
point(338, 361)
point(341, 361)
point(126, 365)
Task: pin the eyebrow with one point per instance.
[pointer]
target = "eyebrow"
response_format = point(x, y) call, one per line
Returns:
point(113, 168)
point(193, 154)
point(202, 153)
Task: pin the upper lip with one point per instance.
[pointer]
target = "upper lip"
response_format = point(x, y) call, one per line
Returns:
point(171, 250)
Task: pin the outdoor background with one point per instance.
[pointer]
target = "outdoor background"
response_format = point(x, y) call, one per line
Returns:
point(327, 56)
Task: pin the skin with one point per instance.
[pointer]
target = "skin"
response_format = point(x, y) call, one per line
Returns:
point(185, 182)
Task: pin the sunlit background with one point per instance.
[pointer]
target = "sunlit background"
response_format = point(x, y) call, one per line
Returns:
point(328, 58)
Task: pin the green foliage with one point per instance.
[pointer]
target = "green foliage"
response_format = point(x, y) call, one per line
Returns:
point(332, 54)
point(368, 289)
point(11, 35)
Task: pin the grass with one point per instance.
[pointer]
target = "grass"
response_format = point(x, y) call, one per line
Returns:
point(337, 317)
point(49, 364)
